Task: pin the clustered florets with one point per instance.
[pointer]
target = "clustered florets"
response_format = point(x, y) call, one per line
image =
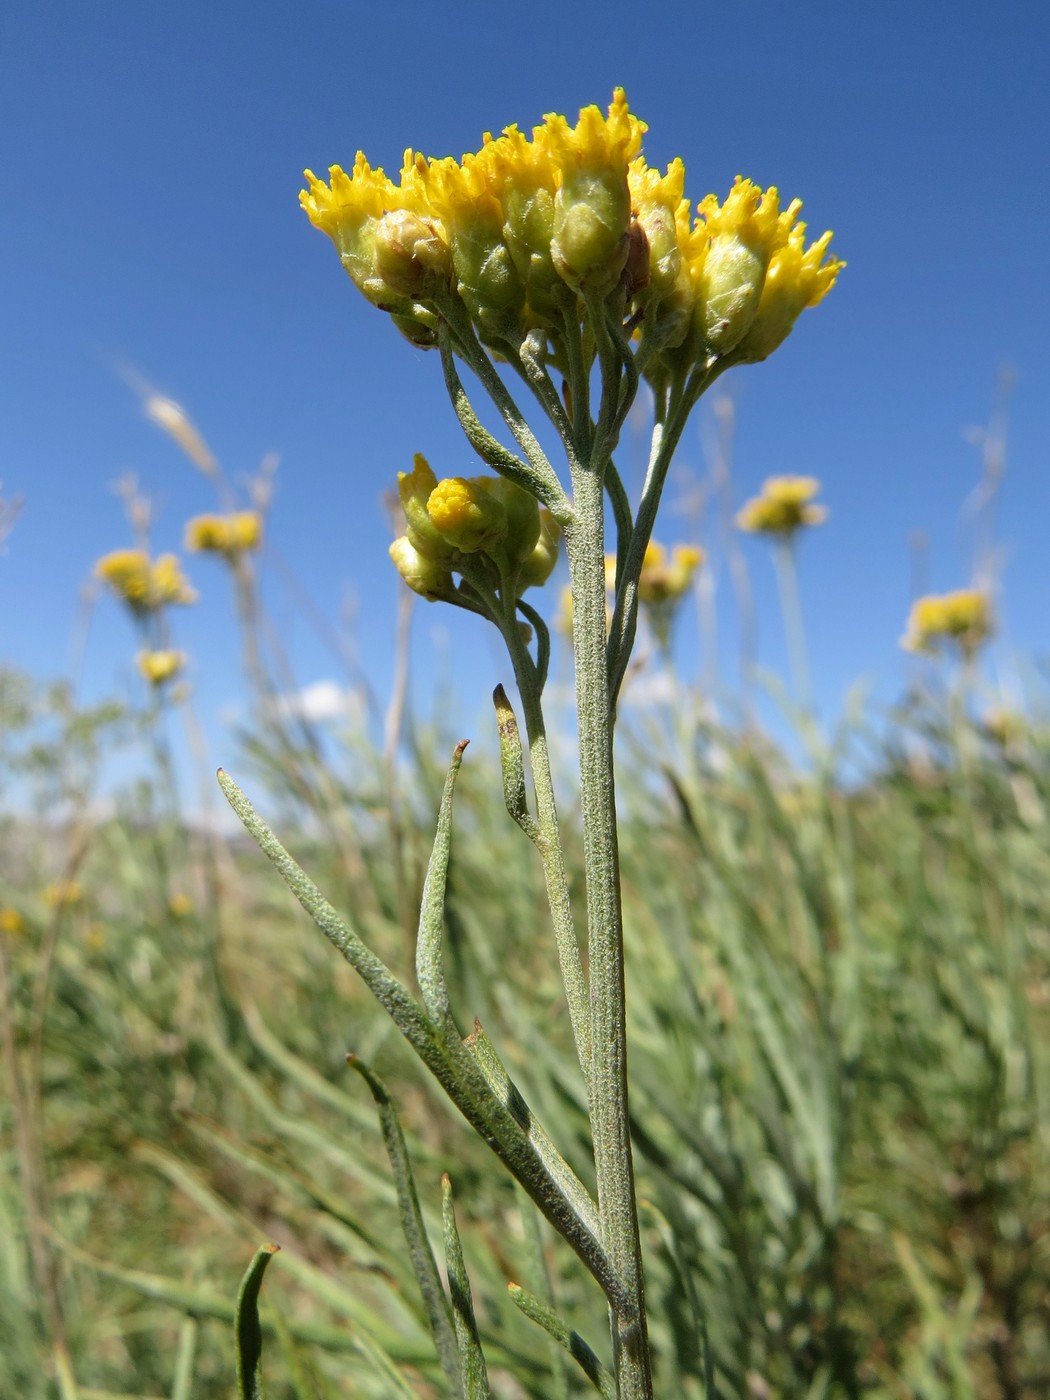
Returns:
point(526, 233)
point(962, 618)
point(784, 505)
point(484, 527)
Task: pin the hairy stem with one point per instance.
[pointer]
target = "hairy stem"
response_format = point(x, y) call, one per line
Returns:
point(608, 1082)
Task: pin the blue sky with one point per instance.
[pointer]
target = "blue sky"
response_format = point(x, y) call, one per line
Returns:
point(153, 156)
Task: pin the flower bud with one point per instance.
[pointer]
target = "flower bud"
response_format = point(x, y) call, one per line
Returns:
point(414, 488)
point(592, 209)
point(466, 515)
point(427, 577)
point(589, 245)
point(539, 566)
point(411, 255)
point(731, 248)
point(523, 516)
point(662, 213)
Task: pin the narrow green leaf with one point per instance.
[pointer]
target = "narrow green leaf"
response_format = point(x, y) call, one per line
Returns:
point(452, 1064)
point(246, 1326)
point(538, 1311)
point(430, 973)
point(436, 1304)
point(471, 1357)
point(512, 762)
point(501, 1084)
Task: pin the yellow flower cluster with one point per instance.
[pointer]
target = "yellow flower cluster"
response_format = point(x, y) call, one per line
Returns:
point(61, 894)
point(231, 534)
point(160, 666)
point(963, 617)
point(664, 580)
point(525, 228)
point(661, 584)
point(486, 520)
point(783, 507)
point(144, 584)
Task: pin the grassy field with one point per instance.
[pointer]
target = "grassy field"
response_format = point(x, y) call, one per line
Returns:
point(840, 1016)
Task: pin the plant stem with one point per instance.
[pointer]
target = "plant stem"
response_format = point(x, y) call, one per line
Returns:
point(608, 1081)
point(791, 606)
point(548, 843)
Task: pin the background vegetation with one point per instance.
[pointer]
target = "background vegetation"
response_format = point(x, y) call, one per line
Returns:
point(839, 967)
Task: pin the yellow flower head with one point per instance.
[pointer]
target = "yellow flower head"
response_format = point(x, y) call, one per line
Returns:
point(661, 213)
point(160, 666)
point(963, 617)
point(665, 581)
point(11, 921)
point(245, 530)
point(224, 534)
point(348, 209)
point(180, 905)
point(516, 231)
point(143, 585)
point(464, 199)
point(592, 208)
point(488, 519)
point(127, 572)
point(797, 278)
point(732, 246)
point(783, 507)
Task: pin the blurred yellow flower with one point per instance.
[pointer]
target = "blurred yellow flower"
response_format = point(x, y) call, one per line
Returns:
point(11, 921)
point(168, 583)
point(61, 893)
point(963, 617)
point(783, 507)
point(231, 534)
point(143, 585)
point(159, 666)
point(127, 571)
point(180, 905)
point(664, 581)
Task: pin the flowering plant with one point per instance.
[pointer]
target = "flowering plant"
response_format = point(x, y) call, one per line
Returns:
point(562, 265)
